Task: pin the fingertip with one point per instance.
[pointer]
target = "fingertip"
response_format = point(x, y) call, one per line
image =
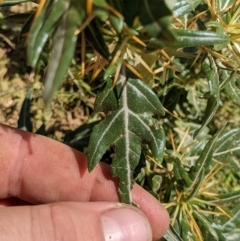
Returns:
point(153, 209)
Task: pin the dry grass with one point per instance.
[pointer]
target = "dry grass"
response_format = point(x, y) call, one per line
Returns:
point(71, 106)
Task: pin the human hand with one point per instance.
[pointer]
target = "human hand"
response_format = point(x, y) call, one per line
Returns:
point(47, 193)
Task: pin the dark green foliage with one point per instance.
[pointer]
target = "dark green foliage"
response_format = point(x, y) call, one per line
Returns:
point(128, 125)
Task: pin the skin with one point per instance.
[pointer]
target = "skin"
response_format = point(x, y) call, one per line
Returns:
point(35, 170)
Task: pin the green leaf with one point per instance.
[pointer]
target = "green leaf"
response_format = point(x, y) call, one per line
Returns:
point(95, 38)
point(100, 9)
point(180, 172)
point(233, 236)
point(228, 147)
point(26, 26)
point(223, 5)
point(211, 109)
point(63, 47)
point(186, 233)
point(129, 124)
point(131, 8)
point(207, 230)
point(232, 223)
point(117, 22)
point(24, 121)
point(232, 88)
point(196, 187)
point(184, 7)
point(155, 16)
point(192, 38)
point(211, 72)
point(156, 183)
point(172, 235)
point(205, 159)
point(227, 197)
point(43, 27)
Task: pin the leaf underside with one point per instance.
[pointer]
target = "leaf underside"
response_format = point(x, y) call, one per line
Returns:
point(129, 124)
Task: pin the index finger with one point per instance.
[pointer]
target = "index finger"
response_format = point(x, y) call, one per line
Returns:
point(38, 169)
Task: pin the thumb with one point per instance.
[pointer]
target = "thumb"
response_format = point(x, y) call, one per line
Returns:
point(98, 221)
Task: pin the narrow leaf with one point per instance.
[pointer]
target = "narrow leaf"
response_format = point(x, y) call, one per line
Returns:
point(232, 88)
point(191, 38)
point(184, 7)
point(64, 43)
point(95, 38)
point(232, 223)
point(227, 145)
point(24, 121)
point(116, 21)
point(227, 197)
point(100, 9)
point(172, 235)
point(210, 69)
point(42, 28)
point(210, 111)
point(26, 26)
point(155, 16)
point(131, 8)
point(223, 5)
point(207, 230)
point(196, 187)
point(205, 159)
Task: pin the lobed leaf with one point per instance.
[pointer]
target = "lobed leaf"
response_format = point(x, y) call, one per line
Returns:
point(129, 124)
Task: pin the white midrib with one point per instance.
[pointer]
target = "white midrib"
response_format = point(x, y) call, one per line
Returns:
point(126, 132)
